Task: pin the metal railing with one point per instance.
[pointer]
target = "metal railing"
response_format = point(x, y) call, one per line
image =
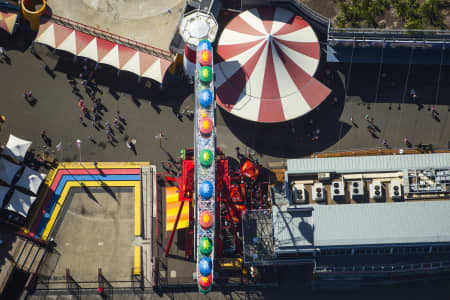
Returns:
point(388, 34)
point(306, 11)
point(374, 151)
point(393, 268)
point(110, 36)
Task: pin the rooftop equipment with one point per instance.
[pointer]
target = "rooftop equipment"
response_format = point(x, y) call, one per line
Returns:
point(318, 193)
point(376, 190)
point(395, 190)
point(356, 189)
point(337, 190)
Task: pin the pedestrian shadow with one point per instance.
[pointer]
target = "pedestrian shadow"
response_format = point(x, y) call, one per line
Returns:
point(127, 85)
point(88, 192)
point(50, 72)
point(47, 141)
point(32, 101)
point(107, 189)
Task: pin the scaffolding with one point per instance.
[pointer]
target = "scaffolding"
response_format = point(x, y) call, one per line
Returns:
point(258, 237)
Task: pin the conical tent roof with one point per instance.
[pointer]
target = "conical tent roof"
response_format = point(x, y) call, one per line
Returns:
point(3, 191)
point(16, 147)
point(20, 203)
point(267, 59)
point(31, 180)
point(8, 170)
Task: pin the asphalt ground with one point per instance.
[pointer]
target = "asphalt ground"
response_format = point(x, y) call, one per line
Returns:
point(148, 110)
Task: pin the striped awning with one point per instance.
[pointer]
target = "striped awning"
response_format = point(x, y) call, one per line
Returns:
point(102, 51)
point(267, 58)
point(8, 21)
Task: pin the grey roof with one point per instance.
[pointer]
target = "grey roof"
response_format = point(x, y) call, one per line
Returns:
point(368, 163)
point(362, 224)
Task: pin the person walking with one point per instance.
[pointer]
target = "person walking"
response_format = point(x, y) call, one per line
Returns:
point(2, 54)
point(413, 94)
point(434, 113)
point(385, 143)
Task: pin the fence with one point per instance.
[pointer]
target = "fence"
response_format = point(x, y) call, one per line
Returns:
point(363, 34)
point(378, 151)
point(110, 37)
point(393, 268)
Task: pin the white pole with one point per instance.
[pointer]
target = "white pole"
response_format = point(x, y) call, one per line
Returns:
point(78, 142)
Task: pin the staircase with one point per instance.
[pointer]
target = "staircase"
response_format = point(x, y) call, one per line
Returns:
point(26, 258)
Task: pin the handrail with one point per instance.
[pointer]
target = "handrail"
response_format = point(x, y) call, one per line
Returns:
point(393, 268)
point(306, 10)
point(390, 34)
point(111, 36)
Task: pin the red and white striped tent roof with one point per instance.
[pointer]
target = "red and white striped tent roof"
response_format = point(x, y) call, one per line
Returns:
point(268, 57)
point(102, 51)
point(8, 21)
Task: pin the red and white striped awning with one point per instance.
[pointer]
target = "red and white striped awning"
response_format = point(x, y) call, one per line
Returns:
point(8, 21)
point(102, 51)
point(267, 60)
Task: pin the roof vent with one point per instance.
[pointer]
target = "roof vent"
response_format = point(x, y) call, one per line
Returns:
point(299, 195)
point(357, 189)
point(376, 190)
point(396, 190)
point(318, 193)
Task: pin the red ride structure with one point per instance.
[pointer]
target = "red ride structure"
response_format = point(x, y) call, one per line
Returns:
point(245, 188)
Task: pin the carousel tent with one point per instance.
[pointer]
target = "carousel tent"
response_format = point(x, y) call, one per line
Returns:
point(16, 147)
point(8, 170)
point(31, 180)
point(3, 192)
point(102, 51)
point(267, 60)
point(20, 203)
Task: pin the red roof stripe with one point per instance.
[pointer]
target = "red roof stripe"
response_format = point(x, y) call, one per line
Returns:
point(61, 34)
point(125, 54)
point(165, 64)
point(314, 92)
point(82, 39)
point(240, 25)
point(190, 54)
point(270, 86)
point(42, 28)
point(228, 51)
point(266, 15)
point(104, 47)
point(229, 92)
point(296, 24)
point(270, 107)
point(297, 74)
point(308, 49)
point(271, 111)
point(146, 61)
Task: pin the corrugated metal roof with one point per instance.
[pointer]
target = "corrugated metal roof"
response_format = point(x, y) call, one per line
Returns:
point(367, 224)
point(368, 163)
point(292, 230)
